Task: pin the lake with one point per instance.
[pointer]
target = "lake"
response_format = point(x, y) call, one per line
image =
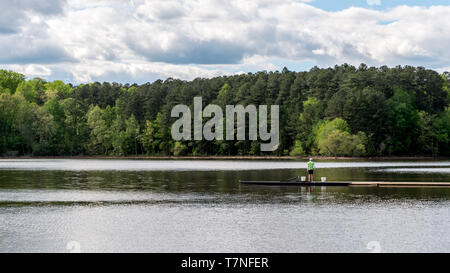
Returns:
point(90, 205)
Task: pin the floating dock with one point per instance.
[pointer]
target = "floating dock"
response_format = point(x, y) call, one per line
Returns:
point(349, 184)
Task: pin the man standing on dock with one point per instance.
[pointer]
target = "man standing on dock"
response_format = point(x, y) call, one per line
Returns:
point(310, 170)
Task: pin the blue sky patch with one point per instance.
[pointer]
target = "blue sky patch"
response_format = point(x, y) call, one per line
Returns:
point(333, 5)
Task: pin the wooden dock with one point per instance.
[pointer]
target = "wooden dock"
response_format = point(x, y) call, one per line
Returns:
point(380, 184)
point(399, 184)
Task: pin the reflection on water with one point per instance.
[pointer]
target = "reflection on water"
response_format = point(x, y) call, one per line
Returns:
point(43, 206)
point(195, 165)
point(416, 170)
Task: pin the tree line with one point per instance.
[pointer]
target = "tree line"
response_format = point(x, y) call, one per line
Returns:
point(339, 111)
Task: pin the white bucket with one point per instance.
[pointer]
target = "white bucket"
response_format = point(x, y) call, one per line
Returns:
point(303, 178)
point(323, 179)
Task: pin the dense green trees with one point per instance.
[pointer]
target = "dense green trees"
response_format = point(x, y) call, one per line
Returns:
point(333, 138)
point(9, 81)
point(339, 111)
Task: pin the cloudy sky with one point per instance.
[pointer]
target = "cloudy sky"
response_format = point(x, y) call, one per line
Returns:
point(139, 41)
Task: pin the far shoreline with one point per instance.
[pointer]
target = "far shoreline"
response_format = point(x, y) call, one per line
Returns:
point(232, 157)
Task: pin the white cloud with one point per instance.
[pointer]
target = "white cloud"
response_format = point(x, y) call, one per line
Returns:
point(16, 13)
point(144, 40)
point(32, 70)
point(142, 71)
point(373, 2)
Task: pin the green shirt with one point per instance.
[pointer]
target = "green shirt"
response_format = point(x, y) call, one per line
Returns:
point(310, 165)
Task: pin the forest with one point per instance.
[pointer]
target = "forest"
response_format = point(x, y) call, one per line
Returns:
point(339, 111)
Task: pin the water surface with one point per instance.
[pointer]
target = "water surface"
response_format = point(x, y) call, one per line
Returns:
point(199, 206)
